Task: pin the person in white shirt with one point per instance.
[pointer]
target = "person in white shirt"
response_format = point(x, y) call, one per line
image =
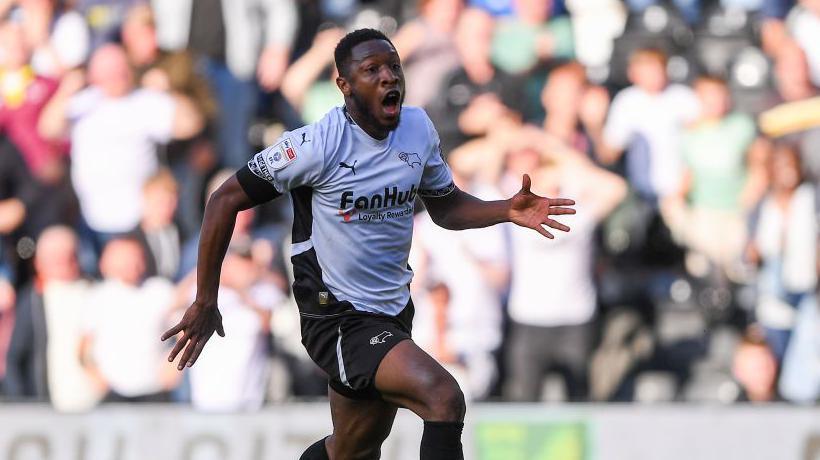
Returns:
point(647, 119)
point(552, 305)
point(43, 356)
point(233, 375)
point(125, 314)
point(465, 263)
point(114, 129)
point(353, 178)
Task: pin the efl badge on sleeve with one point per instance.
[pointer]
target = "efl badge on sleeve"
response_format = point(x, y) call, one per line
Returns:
point(280, 154)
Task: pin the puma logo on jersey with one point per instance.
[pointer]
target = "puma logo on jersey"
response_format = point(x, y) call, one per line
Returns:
point(411, 159)
point(350, 167)
point(380, 338)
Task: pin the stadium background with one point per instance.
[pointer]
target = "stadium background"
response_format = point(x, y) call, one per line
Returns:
point(678, 320)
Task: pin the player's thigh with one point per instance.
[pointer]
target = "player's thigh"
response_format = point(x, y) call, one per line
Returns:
point(359, 426)
point(411, 378)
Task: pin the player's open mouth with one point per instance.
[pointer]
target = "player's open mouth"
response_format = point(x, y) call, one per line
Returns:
point(391, 102)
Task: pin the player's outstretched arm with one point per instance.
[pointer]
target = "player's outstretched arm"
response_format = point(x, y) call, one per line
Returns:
point(202, 318)
point(460, 210)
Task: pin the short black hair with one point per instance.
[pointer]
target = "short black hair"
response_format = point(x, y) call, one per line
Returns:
point(343, 50)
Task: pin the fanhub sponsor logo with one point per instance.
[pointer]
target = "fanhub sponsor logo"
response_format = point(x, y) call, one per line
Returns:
point(391, 197)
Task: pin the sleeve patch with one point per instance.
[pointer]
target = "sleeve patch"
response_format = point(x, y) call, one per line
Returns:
point(279, 155)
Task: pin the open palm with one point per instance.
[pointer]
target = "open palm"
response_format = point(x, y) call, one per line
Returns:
point(532, 211)
point(198, 324)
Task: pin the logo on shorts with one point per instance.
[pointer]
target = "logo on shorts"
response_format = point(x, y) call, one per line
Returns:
point(380, 338)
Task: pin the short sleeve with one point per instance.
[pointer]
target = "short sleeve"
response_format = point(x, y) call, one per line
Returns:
point(436, 179)
point(287, 165)
point(619, 128)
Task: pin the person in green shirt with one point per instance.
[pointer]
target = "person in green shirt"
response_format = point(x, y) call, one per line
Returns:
point(530, 36)
point(723, 178)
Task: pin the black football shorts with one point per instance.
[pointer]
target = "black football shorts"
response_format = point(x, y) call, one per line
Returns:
point(350, 346)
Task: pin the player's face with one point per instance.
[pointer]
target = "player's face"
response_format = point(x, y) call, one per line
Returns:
point(376, 83)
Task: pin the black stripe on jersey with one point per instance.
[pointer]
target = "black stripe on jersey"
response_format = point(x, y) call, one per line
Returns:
point(302, 198)
point(258, 190)
point(312, 295)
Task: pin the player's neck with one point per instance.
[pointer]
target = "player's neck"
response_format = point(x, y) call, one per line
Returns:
point(364, 122)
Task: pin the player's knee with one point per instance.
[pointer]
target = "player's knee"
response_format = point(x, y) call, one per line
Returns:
point(446, 401)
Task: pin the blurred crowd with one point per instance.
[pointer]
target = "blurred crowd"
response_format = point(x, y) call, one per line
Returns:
point(688, 132)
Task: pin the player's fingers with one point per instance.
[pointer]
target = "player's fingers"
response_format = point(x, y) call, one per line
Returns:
point(172, 332)
point(220, 330)
point(561, 211)
point(199, 346)
point(561, 202)
point(556, 225)
point(540, 229)
point(186, 355)
point(177, 348)
point(526, 182)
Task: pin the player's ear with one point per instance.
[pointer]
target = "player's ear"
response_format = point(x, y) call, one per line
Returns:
point(343, 85)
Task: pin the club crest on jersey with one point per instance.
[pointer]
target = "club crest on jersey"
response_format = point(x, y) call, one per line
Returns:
point(412, 159)
point(280, 154)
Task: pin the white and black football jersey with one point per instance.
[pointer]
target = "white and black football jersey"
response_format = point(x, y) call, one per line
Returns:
point(353, 199)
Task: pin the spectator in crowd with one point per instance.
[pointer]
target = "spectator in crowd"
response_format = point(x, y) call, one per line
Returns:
point(18, 195)
point(427, 48)
point(562, 96)
point(162, 70)
point(773, 32)
point(463, 315)
point(233, 375)
point(552, 329)
point(309, 85)
point(795, 111)
point(126, 312)
point(476, 94)
point(530, 36)
point(114, 129)
point(595, 26)
point(24, 94)
point(647, 119)
point(783, 243)
point(803, 24)
point(174, 71)
point(157, 230)
point(724, 177)
point(755, 368)
point(233, 51)
point(800, 374)
point(57, 35)
point(43, 363)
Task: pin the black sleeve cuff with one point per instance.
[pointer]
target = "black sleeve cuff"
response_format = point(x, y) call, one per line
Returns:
point(258, 190)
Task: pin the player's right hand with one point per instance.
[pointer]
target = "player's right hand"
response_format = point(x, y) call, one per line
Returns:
point(198, 324)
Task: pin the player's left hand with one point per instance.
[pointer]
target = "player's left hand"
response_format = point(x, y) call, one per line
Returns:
point(198, 324)
point(532, 211)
